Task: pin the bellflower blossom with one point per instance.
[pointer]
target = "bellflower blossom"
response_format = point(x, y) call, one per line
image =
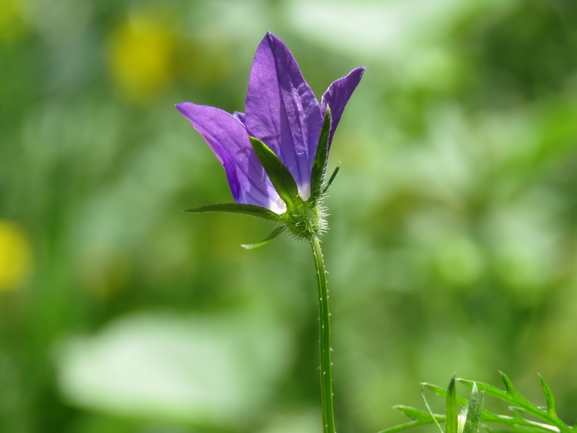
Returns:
point(275, 156)
point(283, 114)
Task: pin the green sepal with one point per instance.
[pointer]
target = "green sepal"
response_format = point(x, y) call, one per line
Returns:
point(269, 238)
point(451, 407)
point(335, 172)
point(279, 174)
point(245, 209)
point(320, 161)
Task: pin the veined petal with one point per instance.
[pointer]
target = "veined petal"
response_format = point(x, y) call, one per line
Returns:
point(337, 96)
point(228, 139)
point(282, 110)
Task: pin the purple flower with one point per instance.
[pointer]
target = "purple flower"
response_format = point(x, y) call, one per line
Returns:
point(281, 111)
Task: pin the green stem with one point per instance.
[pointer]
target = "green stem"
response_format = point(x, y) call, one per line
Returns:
point(325, 339)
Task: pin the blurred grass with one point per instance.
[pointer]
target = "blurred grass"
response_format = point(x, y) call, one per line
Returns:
point(453, 219)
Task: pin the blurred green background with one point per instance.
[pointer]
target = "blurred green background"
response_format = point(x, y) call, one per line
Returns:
point(452, 242)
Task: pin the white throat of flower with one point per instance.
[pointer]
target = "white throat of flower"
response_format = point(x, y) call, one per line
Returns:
point(278, 206)
point(305, 191)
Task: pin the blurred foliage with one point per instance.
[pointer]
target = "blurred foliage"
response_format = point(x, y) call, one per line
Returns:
point(453, 219)
point(469, 416)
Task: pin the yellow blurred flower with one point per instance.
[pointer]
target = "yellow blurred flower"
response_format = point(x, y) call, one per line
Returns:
point(12, 24)
point(15, 255)
point(140, 55)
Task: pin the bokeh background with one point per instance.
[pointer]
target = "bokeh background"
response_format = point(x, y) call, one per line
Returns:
point(452, 242)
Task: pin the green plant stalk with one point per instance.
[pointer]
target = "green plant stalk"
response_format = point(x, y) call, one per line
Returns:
point(325, 339)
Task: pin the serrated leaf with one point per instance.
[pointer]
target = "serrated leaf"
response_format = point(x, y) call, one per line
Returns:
point(509, 385)
point(474, 409)
point(269, 238)
point(521, 405)
point(489, 389)
point(244, 209)
point(487, 416)
point(542, 422)
point(320, 160)
point(509, 395)
point(549, 398)
point(280, 176)
point(451, 407)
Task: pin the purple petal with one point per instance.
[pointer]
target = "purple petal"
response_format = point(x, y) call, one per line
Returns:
point(282, 110)
point(239, 116)
point(337, 96)
point(228, 139)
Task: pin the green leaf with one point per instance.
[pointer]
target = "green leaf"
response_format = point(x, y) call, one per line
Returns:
point(320, 161)
point(462, 419)
point(406, 426)
point(441, 392)
point(269, 238)
point(279, 175)
point(549, 398)
point(419, 418)
point(336, 170)
point(510, 394)
point(413, 413)
point(473, 412)
point(474, 408)
point(489, 389)
point(509, 386)
point(245, 209)
point(451, 407)
point(518, 404)
point(430, 411)
point(487, 416)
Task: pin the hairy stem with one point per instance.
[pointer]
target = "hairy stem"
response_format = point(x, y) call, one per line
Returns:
point(325, 339)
